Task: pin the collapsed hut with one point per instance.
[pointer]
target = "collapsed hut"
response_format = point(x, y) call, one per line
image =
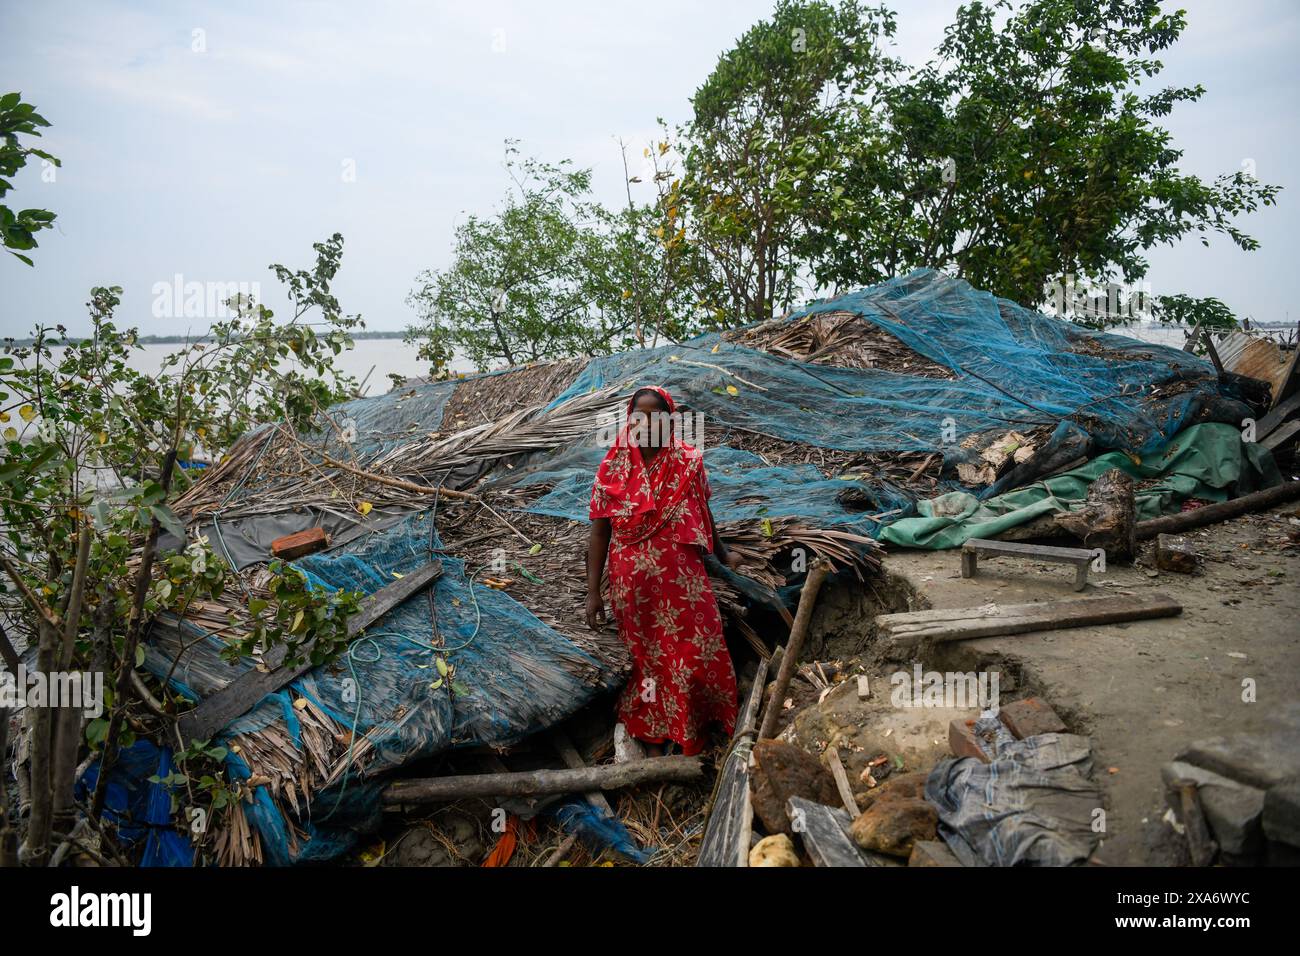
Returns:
point(821, 431)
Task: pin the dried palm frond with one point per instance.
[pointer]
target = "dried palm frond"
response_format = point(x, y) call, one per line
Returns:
point(843, 339)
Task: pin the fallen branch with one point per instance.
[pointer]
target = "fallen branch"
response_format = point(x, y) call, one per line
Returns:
point(1213, 514)
point(537, 782)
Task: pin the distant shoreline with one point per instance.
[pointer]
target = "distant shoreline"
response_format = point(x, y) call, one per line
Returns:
point(188, 339)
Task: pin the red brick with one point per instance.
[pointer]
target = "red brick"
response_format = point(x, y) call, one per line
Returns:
point(1030, 717)
point(299, 543)
point(963, 742)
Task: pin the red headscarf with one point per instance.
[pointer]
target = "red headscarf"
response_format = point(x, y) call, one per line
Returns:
point(640, 500)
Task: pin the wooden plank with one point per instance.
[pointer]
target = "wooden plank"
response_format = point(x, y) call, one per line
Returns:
point(573, 760)
point(842, 780)
point(676, 769)
point(726, 832)
point(1043, 552)
point(1276, 416)
point(247, 690)
point(1281, 436)
point(824, 832)
point(965, 623)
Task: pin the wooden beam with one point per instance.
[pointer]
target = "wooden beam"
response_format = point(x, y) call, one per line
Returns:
point(965, 623)
point(1213, 514)
point(790, 660)
point(1276, 416)
point(726, 831)
point(676, 769)
point(1280, 436)
point(248, 689)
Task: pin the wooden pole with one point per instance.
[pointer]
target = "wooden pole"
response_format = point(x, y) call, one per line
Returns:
point(790, 660)
point(528, 783)
point(1213, 514)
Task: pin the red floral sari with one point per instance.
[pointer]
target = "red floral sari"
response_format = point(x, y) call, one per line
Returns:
point(682, 676)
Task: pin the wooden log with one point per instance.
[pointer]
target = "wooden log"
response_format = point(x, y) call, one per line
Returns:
point(730, 818)
point(965, 623)
point(573, 760)
point(247, 690)
point(1223, 511)
point(1107, 518)
point(790, 661)
point(676, 769)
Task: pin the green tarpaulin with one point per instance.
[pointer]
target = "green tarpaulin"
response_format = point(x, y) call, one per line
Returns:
point(1203, 461)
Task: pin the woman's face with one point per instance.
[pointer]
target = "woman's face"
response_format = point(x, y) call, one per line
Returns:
point(650, 423)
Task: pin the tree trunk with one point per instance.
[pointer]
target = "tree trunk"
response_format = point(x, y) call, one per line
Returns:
point(1108, 518)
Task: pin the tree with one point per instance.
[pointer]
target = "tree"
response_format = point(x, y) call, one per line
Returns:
point(18, 229)
point(1026, 155)
point(764, 166)
point(520, 285)
point(88, 465)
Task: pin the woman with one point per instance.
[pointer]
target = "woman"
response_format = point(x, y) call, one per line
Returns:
point(650, 515)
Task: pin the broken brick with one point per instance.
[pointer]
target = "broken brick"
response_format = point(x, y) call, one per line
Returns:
point(1030, 717)
point(964, 742)
point(300, 543)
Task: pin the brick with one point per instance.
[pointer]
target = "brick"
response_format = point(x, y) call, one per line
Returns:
point(1030, 717)
point(1176, 554)
point(963, 742)
point(932, 853)
point(299, 543)
point(1233, 810)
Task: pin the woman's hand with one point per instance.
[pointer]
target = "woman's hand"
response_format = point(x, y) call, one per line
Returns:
point(595, 611)
point(732, 560)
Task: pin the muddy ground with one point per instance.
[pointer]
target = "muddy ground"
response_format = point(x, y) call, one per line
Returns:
point(1142, 691)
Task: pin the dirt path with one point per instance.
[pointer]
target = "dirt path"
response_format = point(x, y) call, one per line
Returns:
point(1144, 690)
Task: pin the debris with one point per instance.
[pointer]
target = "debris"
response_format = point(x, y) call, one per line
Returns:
point(1199, 841)
point(1213, 514)
point(730, 818)
point(776, 850)
point(781, 771)
point(1234, 811)
point(963, 741)
point(1176, 554)
point(893, 826)
point(300, 543)
point(841, 779)
point(1107, 519)
point(807, 598)
point(247, 690)
point(675, 769)
point(932, 853)
point(1282, 812)
point(825, 834)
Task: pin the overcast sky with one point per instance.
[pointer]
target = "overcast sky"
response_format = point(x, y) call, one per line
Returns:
point(212, 164)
